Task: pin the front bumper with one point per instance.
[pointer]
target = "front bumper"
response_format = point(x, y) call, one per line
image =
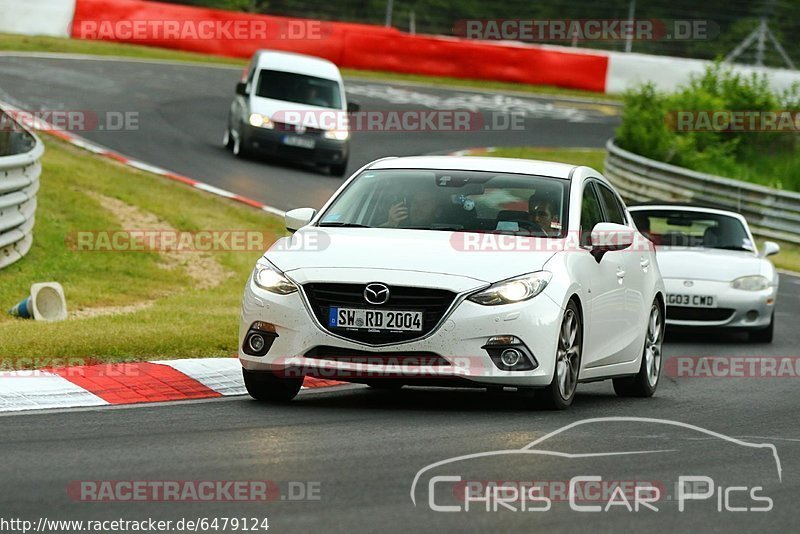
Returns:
point(458, 339)
point(270, 143)
point(742, 309)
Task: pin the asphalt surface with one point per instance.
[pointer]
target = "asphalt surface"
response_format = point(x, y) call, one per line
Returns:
point(361, 449)
point(182, 111)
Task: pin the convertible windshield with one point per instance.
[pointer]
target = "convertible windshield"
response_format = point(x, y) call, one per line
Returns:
point(467, 201)
point(291, 87)
point(673, 228)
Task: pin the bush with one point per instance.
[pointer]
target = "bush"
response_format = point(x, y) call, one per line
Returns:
point(649, 128)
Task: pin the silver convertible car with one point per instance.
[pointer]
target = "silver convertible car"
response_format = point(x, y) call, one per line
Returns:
point(713, 272)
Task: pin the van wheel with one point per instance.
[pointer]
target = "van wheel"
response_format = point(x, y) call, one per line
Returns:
point(227, 139)
point(339, 170)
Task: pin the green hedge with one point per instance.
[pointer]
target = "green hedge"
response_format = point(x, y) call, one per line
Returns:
point(649, 128)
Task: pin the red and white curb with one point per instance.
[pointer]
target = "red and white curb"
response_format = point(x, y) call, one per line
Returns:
point(95, 148)
point(126, 383)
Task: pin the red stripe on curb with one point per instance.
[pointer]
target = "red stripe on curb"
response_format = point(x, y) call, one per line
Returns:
point(130, 383)
point(311, 382)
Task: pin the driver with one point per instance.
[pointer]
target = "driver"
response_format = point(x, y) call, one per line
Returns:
point(420, 208)
point(541, 210)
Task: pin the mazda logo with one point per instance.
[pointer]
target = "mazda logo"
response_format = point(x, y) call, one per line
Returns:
point(688, 283)
point(300, 129)
point(376, 294)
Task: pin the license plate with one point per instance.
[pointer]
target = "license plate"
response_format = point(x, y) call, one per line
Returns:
point(692, 301)
point(396, 321)
point(302, 142)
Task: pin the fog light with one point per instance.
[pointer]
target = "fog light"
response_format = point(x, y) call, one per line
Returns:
point(752, 315)
point(510, 357)
point(256, 343)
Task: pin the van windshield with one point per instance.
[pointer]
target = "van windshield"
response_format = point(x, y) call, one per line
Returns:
point(300, 88)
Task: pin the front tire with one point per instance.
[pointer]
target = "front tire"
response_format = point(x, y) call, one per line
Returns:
point(268, 387)
point(765, 335)
point(645, 382)
point(561, 391)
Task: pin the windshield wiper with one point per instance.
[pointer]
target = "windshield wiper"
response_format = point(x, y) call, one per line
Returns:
point(733, 247)
point(438, 228)
point(344, 225)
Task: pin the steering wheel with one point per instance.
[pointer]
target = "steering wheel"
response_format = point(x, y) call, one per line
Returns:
point(532, 227)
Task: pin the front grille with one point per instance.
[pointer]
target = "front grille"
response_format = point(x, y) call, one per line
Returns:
point(682, 313)
point(433, 303)
point(286, 127)
point(337, 354)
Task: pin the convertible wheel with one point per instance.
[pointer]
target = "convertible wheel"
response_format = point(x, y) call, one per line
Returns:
point(765, 335)
point(561, 391)
point(644, 384)
point(265, 386)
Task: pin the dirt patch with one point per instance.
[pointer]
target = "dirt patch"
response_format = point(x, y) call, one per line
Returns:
point(201, 267)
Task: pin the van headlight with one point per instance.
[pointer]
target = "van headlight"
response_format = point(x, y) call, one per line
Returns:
point(751, 283)
point(266, 276)
point(513, 290)
point(339, 135)
point(261, 121)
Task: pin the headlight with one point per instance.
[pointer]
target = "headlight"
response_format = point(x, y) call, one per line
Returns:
point(751, 283)
point(270, 278)
point(339, 135)
point(513, 290)
point(260, 121)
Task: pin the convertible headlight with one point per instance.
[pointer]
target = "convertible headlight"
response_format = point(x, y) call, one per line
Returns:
point(270, 278)
point(261, 121)
point(751, 283)
point(339, 135)
point(513, 290)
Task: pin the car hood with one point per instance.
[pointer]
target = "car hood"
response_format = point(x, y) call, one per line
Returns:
point(707, 264)
point(292, 112)
point(403, 250)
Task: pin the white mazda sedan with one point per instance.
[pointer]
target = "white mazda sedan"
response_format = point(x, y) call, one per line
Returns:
point(458, 271)
point(715, 276)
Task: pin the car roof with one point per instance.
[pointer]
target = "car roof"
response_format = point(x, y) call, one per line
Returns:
point(470, 163)
point(297, 63)
point(668, 206)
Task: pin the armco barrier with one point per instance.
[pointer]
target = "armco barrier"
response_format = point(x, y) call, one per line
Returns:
point(20, 168)
point(771, 213)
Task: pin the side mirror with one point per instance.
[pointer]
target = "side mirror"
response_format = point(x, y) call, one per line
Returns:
point(297, 218)
point(770, 249)
point(353, 107)
point(610, 237)
point(241, 89)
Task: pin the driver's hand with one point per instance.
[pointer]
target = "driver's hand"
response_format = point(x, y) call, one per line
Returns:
point(397, 214)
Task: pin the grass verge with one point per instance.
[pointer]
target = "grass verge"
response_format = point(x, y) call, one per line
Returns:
point(20, 43)
point(178, 318)
point(789, 257)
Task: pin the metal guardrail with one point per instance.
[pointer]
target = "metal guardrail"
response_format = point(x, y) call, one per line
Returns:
point(771, 213)
point(20, 168)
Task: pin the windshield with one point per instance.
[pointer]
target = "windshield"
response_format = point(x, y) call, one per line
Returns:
point(467, 201)
point(670, 228)
point(291, 87)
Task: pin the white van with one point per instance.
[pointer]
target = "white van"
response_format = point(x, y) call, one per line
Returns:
point(291, 106)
